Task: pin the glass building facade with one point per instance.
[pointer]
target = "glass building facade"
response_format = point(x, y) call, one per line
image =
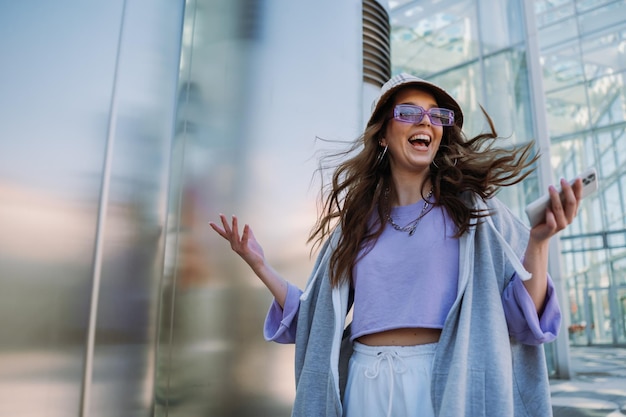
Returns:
point(551, 71)
point(583, 52)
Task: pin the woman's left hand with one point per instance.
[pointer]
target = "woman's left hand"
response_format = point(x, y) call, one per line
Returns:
point(560, 212)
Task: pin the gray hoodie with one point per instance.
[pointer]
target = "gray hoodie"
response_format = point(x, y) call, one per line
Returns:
point(478, 370)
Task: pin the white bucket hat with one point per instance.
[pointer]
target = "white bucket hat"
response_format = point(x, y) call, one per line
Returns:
point(396, 82)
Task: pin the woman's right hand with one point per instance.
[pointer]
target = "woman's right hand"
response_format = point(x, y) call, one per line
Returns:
point(245, 245)
point(250, 251)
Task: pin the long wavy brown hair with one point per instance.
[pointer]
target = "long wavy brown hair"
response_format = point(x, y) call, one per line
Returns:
point(358, 185)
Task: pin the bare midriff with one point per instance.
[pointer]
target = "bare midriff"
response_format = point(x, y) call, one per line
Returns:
point(401, 337)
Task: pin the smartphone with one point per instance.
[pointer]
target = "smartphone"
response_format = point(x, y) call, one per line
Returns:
point(536, 211)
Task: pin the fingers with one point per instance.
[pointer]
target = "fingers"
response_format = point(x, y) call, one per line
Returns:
point(556, 208)
point(573, 195)
point(225, 224)
point(564, 206)
point(235, 231)
point(219, 231)
point(245, 234)
point(578, 189)
point(230, 232)
point(226, 231)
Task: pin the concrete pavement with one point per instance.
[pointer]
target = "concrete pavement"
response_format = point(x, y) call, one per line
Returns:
point(597, 387)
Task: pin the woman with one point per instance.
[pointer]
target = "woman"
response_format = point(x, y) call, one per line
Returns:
point(450, 292)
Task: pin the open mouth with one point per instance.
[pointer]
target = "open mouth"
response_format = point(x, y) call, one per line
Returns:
point(420, 141)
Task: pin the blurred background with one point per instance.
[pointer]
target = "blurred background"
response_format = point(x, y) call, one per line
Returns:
point(127, 125)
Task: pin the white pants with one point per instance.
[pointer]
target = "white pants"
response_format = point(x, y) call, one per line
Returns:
point(389, 381)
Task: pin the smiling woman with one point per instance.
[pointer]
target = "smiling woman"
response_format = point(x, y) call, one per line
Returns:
point(438, 274)
point(412, 144)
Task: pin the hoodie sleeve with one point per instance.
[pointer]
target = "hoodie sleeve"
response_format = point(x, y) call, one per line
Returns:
point(525, 325)
point(280, 323)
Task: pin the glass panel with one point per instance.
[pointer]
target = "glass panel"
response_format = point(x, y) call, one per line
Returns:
point(617, 114)
point(567, 110)
point(604, 54)
point(427, 38)
point(559, 32)
point(568, 260)
point(567, 246)
point(577, 226)
point(602, 277)
point(561, 66)
point(613, 213)
point(599, 316)
point(616, 240)
point(604, 144)
point(585, 90)
point(578, 263)
point(619, 264)
point(590, 209)
point(508, 97)
point(549, 11)
point(621, 315)
point(607, 98)
point(607, 158)
point(504, 27)
point(566, 157)
point(602, 17)
point(584, 5)
point(578, 323)
point(589, 152)
point(622, 181)
point(620, 146)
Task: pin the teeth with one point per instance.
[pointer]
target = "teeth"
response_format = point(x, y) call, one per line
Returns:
point(420, 137)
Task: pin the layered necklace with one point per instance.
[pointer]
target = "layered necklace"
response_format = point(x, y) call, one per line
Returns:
point(412, 225)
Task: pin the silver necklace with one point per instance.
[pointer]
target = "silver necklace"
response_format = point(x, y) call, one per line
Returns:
point(412, 225)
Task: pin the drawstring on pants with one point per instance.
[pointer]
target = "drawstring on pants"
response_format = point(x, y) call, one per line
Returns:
point(408, 382)
point(396, 365)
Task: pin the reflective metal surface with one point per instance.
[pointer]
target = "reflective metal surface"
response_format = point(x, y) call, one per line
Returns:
point(246, 144)
point(126, 126)
point(77, 80)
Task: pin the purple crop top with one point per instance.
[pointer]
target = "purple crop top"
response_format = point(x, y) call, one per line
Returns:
point(407, 281)
point(431, 260)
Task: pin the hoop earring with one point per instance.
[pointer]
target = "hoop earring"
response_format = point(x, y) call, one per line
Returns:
point(435, 164)
point(381, 155)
